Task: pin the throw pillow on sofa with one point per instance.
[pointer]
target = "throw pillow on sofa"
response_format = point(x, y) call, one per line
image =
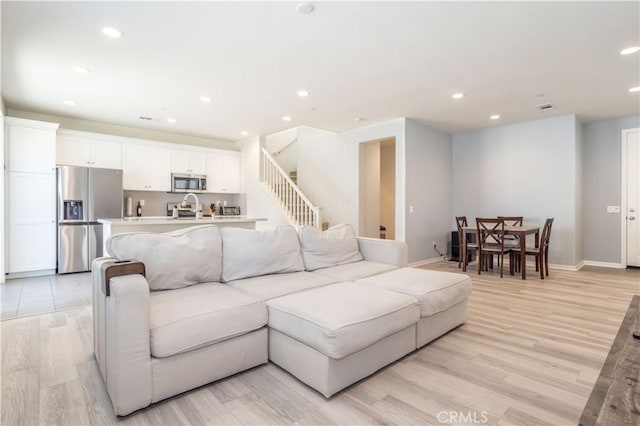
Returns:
point(250, 252)
point(335, 246)
point(173, 259)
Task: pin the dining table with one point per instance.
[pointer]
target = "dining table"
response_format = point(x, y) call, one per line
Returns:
point(520, 231)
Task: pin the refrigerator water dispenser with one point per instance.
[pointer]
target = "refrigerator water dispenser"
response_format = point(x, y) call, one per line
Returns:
point(73, 210)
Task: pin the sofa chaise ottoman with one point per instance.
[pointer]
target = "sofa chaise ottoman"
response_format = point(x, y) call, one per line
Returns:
point(442, 297)
point(331, 337)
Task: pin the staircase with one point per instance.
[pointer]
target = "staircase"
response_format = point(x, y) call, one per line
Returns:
point(297, 208)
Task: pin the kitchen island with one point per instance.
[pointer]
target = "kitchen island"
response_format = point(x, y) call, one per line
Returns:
point(166, 224)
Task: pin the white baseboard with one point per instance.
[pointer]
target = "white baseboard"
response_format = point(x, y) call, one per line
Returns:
point(426, 261)
point(30, 274)
point(567, 267)
point(604, 264)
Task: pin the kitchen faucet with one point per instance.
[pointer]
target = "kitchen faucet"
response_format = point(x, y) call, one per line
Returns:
point(184, 202)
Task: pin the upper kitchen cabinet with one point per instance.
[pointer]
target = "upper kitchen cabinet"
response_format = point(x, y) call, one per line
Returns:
point(32, 145)
point(188, 162)
point(146, 167)
point(223, 171)
point(76, 149)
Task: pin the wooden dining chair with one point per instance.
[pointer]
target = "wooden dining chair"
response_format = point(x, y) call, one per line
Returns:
point(541, 253)
point(490, 237)
point(463, 257)
point(512, 241)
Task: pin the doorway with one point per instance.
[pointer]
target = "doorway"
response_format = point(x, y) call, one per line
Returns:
point(630, 197)
point(378, 189)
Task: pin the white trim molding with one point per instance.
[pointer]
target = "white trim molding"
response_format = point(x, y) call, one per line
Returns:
point(573, 268)
point(426, 262)
point(623, 193)
point(604, 264)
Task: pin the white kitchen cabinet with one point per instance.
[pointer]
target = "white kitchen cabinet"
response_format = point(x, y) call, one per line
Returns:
point(78, 150)
point(188, 162)
point(30, 199)
point(32, 145)
point(223, 172)
point(32, 222)
point(146, 168)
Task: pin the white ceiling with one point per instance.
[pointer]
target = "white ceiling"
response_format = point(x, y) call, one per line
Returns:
point(378, 61)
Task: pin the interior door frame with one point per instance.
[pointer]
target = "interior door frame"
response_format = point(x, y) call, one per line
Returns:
point(623, 194)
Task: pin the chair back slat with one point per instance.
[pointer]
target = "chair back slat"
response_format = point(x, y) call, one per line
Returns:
point(512, 220)
point(490, 231)
point(460, 222)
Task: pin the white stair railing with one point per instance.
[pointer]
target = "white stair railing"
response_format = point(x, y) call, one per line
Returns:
point(297, 207)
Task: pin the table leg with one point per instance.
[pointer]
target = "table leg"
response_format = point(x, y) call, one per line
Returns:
point(523, 257)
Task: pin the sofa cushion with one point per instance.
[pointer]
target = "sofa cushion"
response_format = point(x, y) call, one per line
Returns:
point(173, 259)
point(340, 319)
point(197, 316)
point(436, 291)
point(335, 246)
point(355, 270)
point(251, 253)
point(267, 287)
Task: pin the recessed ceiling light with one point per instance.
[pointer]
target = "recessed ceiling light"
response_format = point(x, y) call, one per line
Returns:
point(79, 69)
point(244, 133)
point(495, 117)
point(358, 119)
point(111, 32)
point(303, 93)
point(457, 95)
point(70, 103)
point(286, 118)
point(171, 120)
point(205, 99)
point(304, 8)
point(634, 89)
point(630, 50)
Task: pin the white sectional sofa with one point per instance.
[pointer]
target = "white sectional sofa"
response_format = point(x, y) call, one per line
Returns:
point(329, 307)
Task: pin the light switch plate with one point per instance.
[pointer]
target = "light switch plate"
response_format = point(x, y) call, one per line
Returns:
point(613, 209)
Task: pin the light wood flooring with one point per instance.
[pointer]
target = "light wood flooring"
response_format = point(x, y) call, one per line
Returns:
point(529, 353)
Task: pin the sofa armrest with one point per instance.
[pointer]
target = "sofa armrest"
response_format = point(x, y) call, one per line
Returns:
point(391, 252)
point(117, 269)
point(127, 346)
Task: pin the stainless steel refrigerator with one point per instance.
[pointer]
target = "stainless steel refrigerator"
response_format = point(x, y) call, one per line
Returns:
point(84, 196)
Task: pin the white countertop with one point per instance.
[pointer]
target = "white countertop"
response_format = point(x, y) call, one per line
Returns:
point(165, 220)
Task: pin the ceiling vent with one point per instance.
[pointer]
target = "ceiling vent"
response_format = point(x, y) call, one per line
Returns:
point(142, 117)
point(544, 107)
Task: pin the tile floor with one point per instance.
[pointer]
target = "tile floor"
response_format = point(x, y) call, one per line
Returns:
point(36, 295)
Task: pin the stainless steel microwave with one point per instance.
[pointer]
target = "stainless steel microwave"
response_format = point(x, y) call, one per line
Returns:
point(188, 183)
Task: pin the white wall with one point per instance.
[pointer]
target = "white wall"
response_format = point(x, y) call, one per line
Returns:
point(344, 168)
point(370, 190)
point(388, 187)
point(288, 158)
point(526, 169)
point(275, 142)
point(328, 175)
point(260, 203)
point(428, 190)
point(3, 225)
